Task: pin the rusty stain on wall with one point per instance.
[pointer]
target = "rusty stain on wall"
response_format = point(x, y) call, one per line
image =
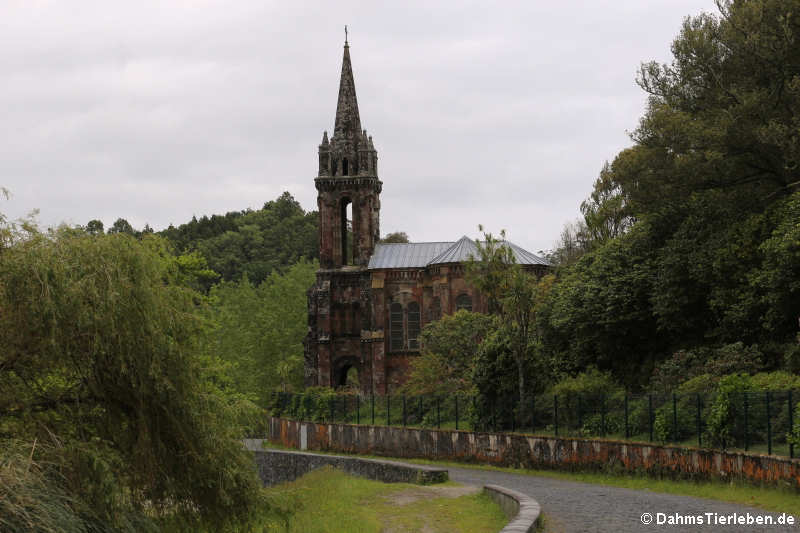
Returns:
point(525, 451)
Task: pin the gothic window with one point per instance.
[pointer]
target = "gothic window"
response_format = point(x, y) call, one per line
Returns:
point(396, 327)
point(464, 301)
point(413, 326)
point(344, 167)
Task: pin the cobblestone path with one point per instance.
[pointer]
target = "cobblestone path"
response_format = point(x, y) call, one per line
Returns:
point(582, 507)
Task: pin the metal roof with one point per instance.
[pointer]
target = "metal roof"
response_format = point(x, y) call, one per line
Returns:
point(460, 251)
point(406, 255)
point(422, 254)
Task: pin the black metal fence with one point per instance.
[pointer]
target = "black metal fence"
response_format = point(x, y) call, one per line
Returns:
point(750, 421)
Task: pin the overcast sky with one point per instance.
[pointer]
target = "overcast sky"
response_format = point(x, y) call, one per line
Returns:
point(500, 113)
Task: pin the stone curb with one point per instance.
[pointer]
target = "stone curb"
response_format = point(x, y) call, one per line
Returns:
point(521, 508)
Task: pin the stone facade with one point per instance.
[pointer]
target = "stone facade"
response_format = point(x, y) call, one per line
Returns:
point(371, 300)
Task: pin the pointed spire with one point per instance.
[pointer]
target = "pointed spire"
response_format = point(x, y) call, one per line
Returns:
point(325, 138)
point(348, 122)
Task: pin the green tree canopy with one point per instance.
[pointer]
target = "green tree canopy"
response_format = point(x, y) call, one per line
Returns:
point(251, 242)
point(694, 225)
point(397, 236)
point(103, 355)
point(260, 329)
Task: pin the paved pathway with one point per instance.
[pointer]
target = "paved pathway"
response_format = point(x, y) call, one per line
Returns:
point(577, 507)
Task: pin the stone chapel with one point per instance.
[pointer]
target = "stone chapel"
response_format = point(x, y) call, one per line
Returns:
point(370, 300)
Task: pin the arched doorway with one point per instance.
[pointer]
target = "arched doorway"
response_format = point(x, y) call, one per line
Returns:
point(347, 373)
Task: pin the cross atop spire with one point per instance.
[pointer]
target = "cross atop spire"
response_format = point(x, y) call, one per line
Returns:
point(348, 122)
point(345, 34)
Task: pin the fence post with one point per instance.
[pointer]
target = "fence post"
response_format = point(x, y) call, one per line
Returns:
point(699, 423)
point(627, 426)
point(674, 418)
point(404, 409)
point(746, 413)
point(372, 401)
point(603, 415)
point(514, 418)
point(555, 413)
point(650, 414)
point(474, 408)
point(455, 398)
point(358, 409)
point(791, 425)
point(769, 424)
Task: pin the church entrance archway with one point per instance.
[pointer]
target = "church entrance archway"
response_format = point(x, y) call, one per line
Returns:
point(347, 373)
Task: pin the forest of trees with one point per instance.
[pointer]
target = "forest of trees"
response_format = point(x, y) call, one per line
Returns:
point(685, 264)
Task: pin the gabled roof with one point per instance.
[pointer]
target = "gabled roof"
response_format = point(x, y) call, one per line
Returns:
point(422, 254)
point(460, 251)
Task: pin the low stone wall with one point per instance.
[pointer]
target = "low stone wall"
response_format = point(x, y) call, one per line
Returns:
point(520, 508)
point(524, 451)
point(278, 466)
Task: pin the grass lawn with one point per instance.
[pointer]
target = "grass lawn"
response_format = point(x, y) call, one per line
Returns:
point(330, 501)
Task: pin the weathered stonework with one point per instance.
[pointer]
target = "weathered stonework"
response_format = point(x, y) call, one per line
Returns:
point(527, 451)
point(278, 466)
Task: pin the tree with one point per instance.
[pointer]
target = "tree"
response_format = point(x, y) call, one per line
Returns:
point(514, 296)
point(690, 244)
point(103, 354)
point(121, 226)
point(523, 296)
point(251, 242)
point(448, 353)
point(396, 237)
point(94, 227)
point(605, 212)
point(261, 329)
point(489, 272)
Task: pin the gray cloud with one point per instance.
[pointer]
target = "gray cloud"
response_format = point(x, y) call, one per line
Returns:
point(492, 113)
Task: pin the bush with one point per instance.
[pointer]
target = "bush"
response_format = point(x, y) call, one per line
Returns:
point(724, 412)
point(591, 383)
point(794, 436)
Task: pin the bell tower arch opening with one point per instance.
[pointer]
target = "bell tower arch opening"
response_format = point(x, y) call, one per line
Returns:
point(347, 236)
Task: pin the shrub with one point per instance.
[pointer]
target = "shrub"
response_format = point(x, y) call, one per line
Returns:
point(724, 413)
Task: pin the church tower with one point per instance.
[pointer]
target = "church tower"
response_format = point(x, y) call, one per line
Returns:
point(347, 178)
point(340, 345)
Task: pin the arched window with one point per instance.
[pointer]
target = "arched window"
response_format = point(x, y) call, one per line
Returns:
point(345, 167)
point(396, 327)
point(464, 301)
point(413, 326)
